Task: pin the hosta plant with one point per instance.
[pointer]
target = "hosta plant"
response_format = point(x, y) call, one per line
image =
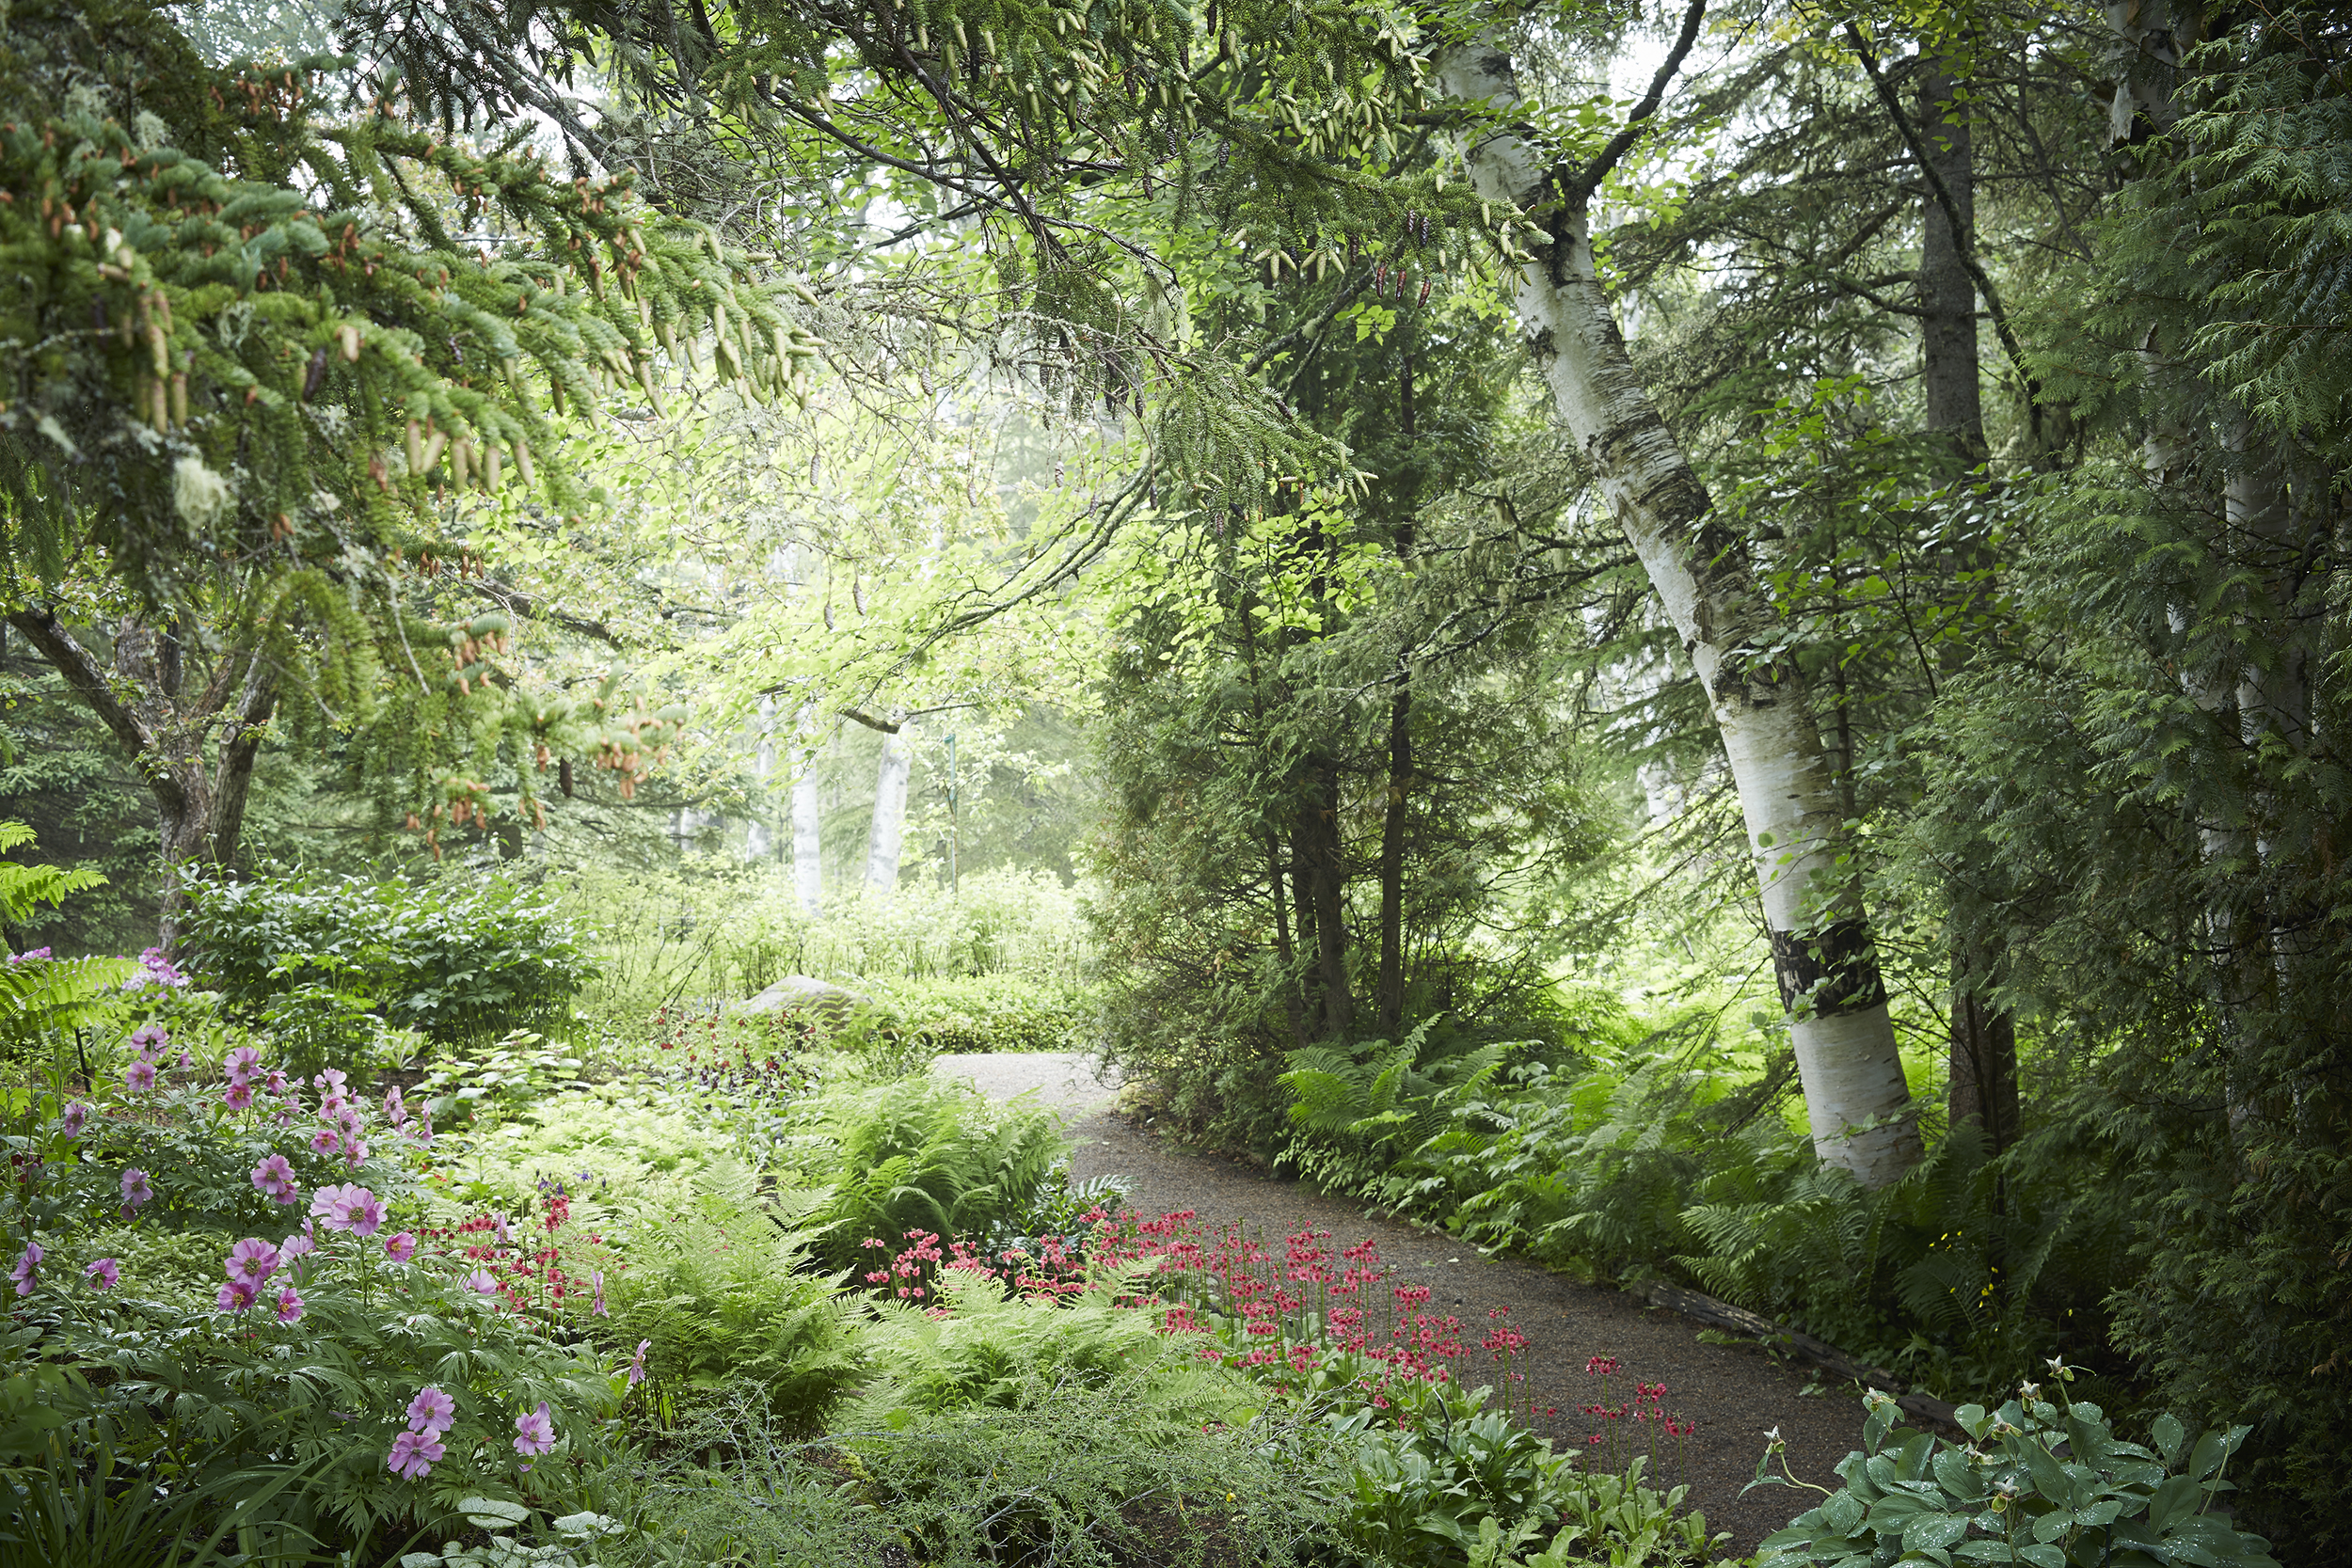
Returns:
point(2039, 1483)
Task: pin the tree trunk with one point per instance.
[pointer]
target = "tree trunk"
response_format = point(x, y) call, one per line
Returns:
point(1981, 1039)
point(1321, 856)
point(1395, 817)
point(808, 847)
point(169, 730)
point(1284, 952)
point(890, 812)
point(1948, 335)
point(1823, 955)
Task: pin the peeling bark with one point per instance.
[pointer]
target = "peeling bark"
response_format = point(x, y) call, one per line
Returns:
point(1857, 1099)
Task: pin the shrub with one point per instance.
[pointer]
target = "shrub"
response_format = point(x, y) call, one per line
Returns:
point(457, 963)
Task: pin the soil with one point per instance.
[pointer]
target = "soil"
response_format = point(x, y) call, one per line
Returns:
point(1733, 1393)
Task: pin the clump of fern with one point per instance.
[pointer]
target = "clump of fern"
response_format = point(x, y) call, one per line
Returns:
point(919, 1155)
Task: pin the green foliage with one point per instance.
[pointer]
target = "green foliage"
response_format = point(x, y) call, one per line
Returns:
point(726, 1294)
point(1667, 1160)
point(993, 1012)
point(459, 964)
point(2009, 1495)
point(919, 1155)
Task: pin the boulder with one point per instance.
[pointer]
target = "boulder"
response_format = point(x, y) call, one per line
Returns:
point(796, 994)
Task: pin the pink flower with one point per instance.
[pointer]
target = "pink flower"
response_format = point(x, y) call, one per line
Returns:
point(149, 1040)
point(104, 1274)
point(332, 1080)
point(596, 1281)
point(275, 1177)
point(432, 1411)
point(401, 1248)
point(236, 1297)
point(237, 1097)
point(481, 1281)
point(395, 1108)
point(354, 1151)
point(26, 1262)
point(414, 1454)
point(139, 1076)
point(289, 1306)
point(324, 1141)
point(535, 1431)
point(136, 1189)
point(251, 1260)
point(301, 1244)
point(275, 1083)
point(75, 1115)
point(637, 1363)
point(244, 1065)
point(347, 1208)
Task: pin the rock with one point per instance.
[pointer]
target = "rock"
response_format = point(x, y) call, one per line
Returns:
point(796, 994)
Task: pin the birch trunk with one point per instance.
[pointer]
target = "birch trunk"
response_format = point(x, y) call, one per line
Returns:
point(890, 812)
point(1857, 1099)
point(808, 847)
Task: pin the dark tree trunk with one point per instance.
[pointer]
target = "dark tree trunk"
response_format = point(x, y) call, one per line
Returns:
point(1395, 817)
point(169, 730)
point(1984, 1050)
point(1982, 1068)
point(1948, 333)
point(1324, 873)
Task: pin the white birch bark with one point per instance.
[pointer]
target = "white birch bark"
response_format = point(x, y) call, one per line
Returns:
point(808, 849)
point(1857, 1099)
point(890, 812)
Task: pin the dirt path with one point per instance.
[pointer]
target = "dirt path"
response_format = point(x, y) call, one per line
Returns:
point(1733, 1393)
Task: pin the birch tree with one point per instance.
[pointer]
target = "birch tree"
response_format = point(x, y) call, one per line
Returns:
point(1824, 955)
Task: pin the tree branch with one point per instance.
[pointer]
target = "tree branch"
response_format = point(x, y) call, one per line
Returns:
point(81, 670)
point(1575, 192)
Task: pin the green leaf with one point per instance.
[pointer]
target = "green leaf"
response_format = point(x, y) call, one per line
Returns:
point(1937, 1532)
point(489, 1511)
point(2168, 1437)
point(1957, 1476)
point(1842, 1512)
point(2040, 1556)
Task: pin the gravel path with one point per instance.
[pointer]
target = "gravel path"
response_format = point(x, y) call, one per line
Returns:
point(1733, 1392)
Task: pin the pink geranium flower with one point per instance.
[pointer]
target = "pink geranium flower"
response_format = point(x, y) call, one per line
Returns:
point(481, 1281)
point(535, 1431)
point(596, 1284)
point(149, 1041)
point(139, 1076)
point(244, 1065)
point(348, 1208)
point(136, 1189)
point(236, 1297)
point(301, 1244)
point(401, 1248)
point(237, 1097)
point(354, 1151)
point(414, 1454)
point(637, 1363)
point(104, 1274)
point(27, 1263)
point(324, 1141)
point(75, 1116)
point(251, 1260)
point(289, 1306)
point(395, 1108)
point(432, 1410)
point(276, 1177)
